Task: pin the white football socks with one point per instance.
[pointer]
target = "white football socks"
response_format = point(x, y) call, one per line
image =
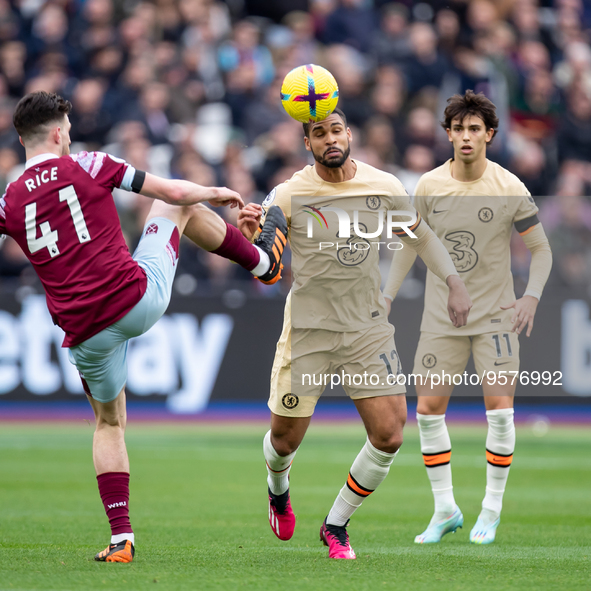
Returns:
point(436, 450)
point(115, 539)
point(369, 469)
point(278, 467)
point(500, 445)
point(263, 265)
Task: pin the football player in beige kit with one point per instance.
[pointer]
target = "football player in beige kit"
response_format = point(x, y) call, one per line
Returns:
point(472, 205)
point(335, 320)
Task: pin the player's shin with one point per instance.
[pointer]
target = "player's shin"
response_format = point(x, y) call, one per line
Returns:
point(369, 469)
point(436, 450)
point(238, 249)
point(500, 445)
point(278, 467)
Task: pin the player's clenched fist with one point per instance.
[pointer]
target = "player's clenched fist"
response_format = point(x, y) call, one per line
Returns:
point(458, 302)
point(249, 219)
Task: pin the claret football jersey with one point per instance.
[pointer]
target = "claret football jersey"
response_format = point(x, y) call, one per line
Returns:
point(474, 221)
point(62, 214)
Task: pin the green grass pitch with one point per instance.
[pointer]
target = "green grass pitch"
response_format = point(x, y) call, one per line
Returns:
point(199, 511)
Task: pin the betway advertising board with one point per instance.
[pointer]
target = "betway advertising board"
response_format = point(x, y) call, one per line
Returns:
point(202, 350)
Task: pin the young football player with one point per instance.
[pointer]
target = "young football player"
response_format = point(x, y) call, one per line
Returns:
point(335, 321)
point(61, 213)
point(472, 204)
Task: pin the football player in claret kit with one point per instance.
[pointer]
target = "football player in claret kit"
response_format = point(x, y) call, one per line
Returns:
point(61, 213)
point(341, 323)
point(472, 204)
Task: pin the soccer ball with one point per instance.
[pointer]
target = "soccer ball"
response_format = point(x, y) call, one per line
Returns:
point(309, 93)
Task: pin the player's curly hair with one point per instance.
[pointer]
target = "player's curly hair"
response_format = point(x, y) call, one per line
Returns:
point(36, 111)
point(461, 106)
point(337, 111)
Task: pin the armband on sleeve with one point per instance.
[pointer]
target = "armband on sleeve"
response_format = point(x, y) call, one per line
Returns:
point(527, 225)
point(133, 180)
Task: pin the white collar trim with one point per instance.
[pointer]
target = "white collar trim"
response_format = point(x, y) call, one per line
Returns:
point(38, 159)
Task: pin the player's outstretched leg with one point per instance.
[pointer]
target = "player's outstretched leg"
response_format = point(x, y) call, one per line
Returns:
point(369, 469)
point(281, 515)
point(208, 230)
point(436, 450)
point(500, 445)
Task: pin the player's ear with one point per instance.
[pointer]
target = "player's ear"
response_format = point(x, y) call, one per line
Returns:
point(448, 131)
point(20, 139)
point(349, 135)
point(489, 135)
point(307, 143)
point(56, 135)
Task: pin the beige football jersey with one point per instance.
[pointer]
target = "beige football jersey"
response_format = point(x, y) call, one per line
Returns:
point(474, 221)
point(336, 280)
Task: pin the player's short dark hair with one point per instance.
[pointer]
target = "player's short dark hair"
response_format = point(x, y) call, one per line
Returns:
point(461, 106)
point(337, 111)
point(36, 111)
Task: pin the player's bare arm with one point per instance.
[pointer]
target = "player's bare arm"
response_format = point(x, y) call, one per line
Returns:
point(180, 192)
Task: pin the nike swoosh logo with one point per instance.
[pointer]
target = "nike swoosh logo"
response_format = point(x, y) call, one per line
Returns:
point(439, 210)
point(504, 363)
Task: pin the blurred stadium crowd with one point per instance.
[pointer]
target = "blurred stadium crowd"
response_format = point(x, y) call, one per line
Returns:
point(190, 89)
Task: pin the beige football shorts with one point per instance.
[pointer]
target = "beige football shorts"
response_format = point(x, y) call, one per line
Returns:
point(364, 362)
point(493, 352)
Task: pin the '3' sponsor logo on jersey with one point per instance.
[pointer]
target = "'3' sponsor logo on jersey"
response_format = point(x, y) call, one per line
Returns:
point(463, 254)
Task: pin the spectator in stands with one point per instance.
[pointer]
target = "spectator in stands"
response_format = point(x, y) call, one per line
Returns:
point(283, 148)
point(264, 113)
point(574, 135)
point(9, 161)
point(154, 103)
point(391, 45)
point(447, 25)
point(305, 49)
point(93, 28)
point(379, 137)
point(425, 66)
point(530, 163)
point(247, 65)
point(353, 23)
point(8, 135)
point(416, 162)
point(12, 65)
point(90, 122)
point(143, 77)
